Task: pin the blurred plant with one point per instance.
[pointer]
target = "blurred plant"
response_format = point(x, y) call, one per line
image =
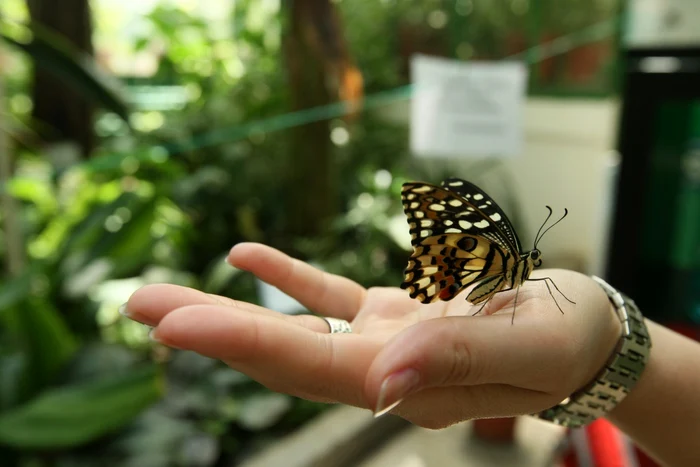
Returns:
point(55, 57)
point(44, 407)
point(164, 205)
point(98, 231)
point(100, 236)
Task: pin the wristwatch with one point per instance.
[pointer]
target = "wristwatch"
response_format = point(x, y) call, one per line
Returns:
point(619, 375)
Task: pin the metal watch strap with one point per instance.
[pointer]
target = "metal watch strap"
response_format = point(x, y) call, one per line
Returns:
point(620, 374)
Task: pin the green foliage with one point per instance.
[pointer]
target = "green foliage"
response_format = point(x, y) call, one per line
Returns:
point(98, 231)
point(44, 402)
point(73, 415)
point(45, 343)
point(165, 205)
point(50, 50)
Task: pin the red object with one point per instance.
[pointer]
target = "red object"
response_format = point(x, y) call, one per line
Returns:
point(599, 444)
point(607, 446)
point(547, 68)
point(688, 330)
point(515, 43)
point(498, 430)
point(584, 62)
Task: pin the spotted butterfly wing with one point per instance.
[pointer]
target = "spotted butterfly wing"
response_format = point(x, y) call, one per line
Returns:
point(460, 237)
point(474, 194)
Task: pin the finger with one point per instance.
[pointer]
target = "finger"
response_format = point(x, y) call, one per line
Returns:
point(285, 357)
point(437, 408)
point(151, 303)
point(321, 292)
point(463, 351)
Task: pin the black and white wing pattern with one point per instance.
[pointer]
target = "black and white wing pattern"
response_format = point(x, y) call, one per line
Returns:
point(460, 237)
point(475, 195)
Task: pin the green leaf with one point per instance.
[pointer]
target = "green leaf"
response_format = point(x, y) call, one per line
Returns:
point(45, 339)
point(141, 43)
point(21, 287)
point(38, 192)
point(12, 367)
point(103, 254)
point(75, 415)
point(90, 230)
point(15, 290)
point(77, 68)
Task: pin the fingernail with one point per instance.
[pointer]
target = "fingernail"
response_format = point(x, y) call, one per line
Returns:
point(152, 335)
point(123, 310)
point(394, 390)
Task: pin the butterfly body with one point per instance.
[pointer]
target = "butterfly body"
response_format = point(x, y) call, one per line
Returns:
point(461, 237)
point(513, 276)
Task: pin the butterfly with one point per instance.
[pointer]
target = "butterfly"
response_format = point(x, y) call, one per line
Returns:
point(461, 237)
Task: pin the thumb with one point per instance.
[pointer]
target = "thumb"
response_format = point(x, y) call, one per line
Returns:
point(464, 351)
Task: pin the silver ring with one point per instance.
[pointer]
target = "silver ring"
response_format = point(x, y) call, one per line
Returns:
point(338, 325)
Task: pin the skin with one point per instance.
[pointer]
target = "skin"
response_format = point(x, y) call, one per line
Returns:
point(442, 371)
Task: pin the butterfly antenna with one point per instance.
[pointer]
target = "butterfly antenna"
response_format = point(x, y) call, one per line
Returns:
point(566, 211)
point(543, 224)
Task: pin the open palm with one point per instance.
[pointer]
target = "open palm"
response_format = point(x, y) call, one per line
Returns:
point(461, 366)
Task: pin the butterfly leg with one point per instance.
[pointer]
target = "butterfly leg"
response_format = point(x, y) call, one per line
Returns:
point(550, 291)
point(489, 299)
point(483, 306)
point(562, 293)
point(515, 303)
point(555, 286)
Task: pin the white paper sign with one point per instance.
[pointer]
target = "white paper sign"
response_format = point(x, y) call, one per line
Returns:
point(466, 109)
point(662, 23)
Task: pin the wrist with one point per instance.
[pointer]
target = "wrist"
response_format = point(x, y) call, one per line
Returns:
point(619, 375)
point(662, 414)
point(630, 401)
point(605, 346)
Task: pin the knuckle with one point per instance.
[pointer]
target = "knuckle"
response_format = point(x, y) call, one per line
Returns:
point(326, 350)
point(461, 367)
point(312, 322)
point(218, 299)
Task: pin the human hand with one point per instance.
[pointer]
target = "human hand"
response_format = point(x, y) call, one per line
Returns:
point(444, 370)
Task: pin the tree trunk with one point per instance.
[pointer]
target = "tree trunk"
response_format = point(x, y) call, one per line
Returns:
point(320, 72)
point(10, 207)
point(66, 114)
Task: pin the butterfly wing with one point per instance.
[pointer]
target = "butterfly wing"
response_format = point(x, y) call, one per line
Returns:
point(454, 243)
point(442, 267)
point(500, 225)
